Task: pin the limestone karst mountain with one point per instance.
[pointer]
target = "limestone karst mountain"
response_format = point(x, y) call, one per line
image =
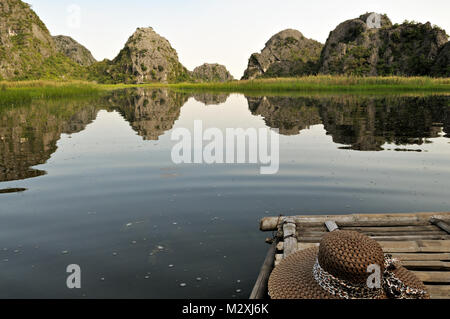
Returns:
point(73, 50)
point(212, 73)
point(287, 53)
point(361, 47)
point(146, 57)
point(27, 50)
point(441, 66)
point(355, 47)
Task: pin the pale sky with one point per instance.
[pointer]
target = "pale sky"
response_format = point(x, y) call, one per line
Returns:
point(218, 31)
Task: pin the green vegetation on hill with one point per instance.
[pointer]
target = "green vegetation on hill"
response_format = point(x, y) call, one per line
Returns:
point(146, 57)
point(407, 49)
point(27, 50)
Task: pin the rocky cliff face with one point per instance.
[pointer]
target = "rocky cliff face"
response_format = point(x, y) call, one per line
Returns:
point(27, 50)
point(288, 53)
point(356, 47)
point(73, 50)
point(146, 57)
point(212, 73)
point(441, 66)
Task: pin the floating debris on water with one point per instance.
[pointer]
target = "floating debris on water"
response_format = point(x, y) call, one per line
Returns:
point(183, 284)
point(114, 254)
point(64, 252)
point(198, 278)
point(238, 290)
point(171, 266)
point(129, 224)
point(160, 247)
point(12, 190)
point(134, 242)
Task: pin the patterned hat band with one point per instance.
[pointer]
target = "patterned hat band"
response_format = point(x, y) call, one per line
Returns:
point(391, 286)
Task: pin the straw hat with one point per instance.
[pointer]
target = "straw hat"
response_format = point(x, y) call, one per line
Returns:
point(347, 265)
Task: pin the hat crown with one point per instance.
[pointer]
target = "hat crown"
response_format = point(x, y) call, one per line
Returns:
point(347, 255)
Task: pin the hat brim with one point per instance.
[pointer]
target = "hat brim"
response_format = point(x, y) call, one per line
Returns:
point(293, 278)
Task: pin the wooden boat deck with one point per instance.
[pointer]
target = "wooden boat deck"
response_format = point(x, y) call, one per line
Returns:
point(421, 241)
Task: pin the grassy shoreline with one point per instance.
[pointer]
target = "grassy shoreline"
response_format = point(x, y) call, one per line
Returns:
point(324, 84)
point(12, 93)
point(25, 91)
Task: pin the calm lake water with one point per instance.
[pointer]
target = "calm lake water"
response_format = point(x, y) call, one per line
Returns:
point(102, 191)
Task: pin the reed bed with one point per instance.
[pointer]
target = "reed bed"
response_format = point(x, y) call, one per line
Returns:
point(13, 93)
point(17, 93)
point(326, 84)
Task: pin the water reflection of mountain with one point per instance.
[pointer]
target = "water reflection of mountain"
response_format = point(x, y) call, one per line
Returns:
point(28, 134)
point(150, 112)
point(362, 123)
point(211, 99)
point(289, 115)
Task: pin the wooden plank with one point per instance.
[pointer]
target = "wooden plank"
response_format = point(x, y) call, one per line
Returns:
point(434, 246)
point(331, 225)
point(441, 224)
point(422, 246)
point(260, 289)
point(427, 265)
point(439, 291)
point(394, 229)
point(290, 237)
point(311, 234)
point(302, 246)
point(433, 276)
point(412, 238)
point(409, 233)
point(313, 239)
point(400, 247)
point(270, 223)
point(384, 222)
point(422, 257)
point(321, 228)
point(418, 219)
point(380, 236)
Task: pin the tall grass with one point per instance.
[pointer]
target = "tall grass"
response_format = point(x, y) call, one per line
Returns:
point(326, 84)
point(18, 93)
point(14, 93)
